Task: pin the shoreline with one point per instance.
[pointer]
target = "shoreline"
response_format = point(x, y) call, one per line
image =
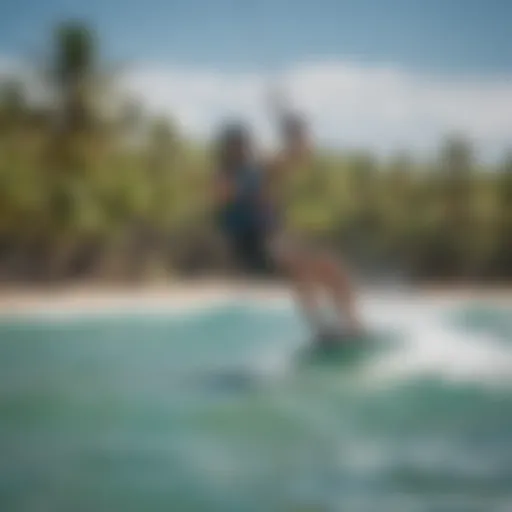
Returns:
point(186, 295)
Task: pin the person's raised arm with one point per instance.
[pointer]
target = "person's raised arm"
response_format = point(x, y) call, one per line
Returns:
point(295, 142)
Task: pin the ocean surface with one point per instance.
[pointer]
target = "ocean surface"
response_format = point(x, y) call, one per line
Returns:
point(224, 410)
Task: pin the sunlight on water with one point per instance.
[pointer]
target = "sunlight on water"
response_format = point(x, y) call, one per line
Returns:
point(217, 410)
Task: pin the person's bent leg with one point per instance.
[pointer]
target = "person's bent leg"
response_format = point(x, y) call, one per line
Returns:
point(300, 272)
point(336, 281)
point(305, 290)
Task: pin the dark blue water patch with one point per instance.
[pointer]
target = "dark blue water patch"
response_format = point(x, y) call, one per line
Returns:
point(227, 380)
point(481, 318)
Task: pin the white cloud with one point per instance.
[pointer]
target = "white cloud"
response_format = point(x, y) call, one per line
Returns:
point(381, 108)
point(348, 105)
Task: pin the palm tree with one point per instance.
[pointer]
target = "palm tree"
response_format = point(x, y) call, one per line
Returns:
point(74, 71)
point(457, 166)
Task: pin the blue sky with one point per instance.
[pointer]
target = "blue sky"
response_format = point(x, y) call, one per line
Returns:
point(384, 74)
point(456, 36)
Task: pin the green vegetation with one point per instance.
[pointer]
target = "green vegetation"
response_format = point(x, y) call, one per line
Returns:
point(80, 198)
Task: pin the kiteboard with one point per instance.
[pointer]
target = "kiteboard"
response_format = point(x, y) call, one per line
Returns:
point(338, 346)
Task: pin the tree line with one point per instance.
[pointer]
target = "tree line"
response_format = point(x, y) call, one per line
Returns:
point(92, 186)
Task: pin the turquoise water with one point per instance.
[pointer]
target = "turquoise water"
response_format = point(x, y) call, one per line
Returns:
point(214, 411)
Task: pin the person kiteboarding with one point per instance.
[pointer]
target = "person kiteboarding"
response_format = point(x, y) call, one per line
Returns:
point(249, 213)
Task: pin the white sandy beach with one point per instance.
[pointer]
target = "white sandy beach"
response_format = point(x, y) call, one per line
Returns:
point(191, 295)
point(101, 298)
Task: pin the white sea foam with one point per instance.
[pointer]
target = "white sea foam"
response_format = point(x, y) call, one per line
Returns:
point(432, 346)
point(426, 343)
